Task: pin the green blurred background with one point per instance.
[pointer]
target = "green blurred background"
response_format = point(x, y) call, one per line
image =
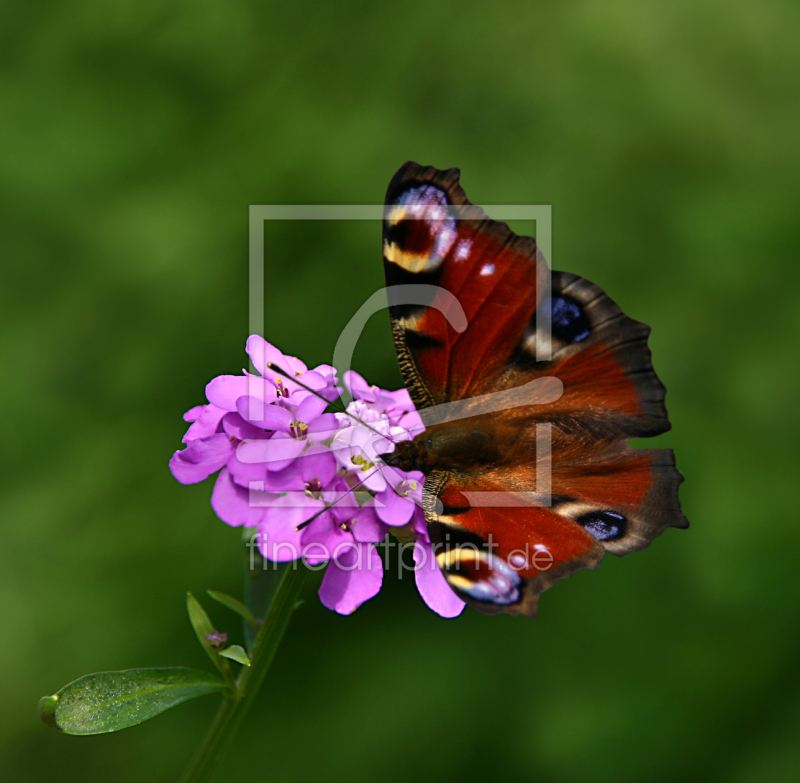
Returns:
point(133, 137)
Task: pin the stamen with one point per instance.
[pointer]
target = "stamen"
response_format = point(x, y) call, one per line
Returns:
point(313, 488)
point(298, 429)
point(334, 404)
point(405, 487)
point(282, 390)
point(362, 461)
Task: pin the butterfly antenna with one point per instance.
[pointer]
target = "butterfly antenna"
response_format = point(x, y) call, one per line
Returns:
point(338, 406)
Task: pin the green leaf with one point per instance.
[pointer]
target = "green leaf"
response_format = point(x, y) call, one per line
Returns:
point(236, 653)
point(234, 605)
point(109, 701)
point(201, 623)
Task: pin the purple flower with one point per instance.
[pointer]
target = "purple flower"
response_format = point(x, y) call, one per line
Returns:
point(311, 482)
point(345, 536)
point(396, 405)
point(354, 449)
point(402, 496)
point(263, 354)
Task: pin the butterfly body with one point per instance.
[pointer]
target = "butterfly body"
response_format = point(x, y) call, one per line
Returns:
point(529, 383)
point(467, 447)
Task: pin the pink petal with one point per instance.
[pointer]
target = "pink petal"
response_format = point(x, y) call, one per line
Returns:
point(236, 427)
point(193, 414)
point(323, 427)
point(322, 538)
point(401, 401)
point(327, 371)
point(282, 451)
point(343, 500)
point(247, 474)
point(311, 379)
point(412, 422)
point(393, 509)
point(419, 524)
point(290, 509)
point(277, 452)
point(357, 386)
point(268, 417)
point(279, 540)
point(205, 421)
point(318, 463)
point(372, 479)
point(256, 476)
point(396, 477)
point(224, 390)
point(366, 527)
point(295, 398)
point(355, 575)
point(284, 480)
point(233, 503)
point(310, 408)
point(261, 353)
point(431, 583)
point(201, 458)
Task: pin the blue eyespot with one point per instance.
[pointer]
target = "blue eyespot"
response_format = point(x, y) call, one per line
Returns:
point(603, 525)
point(569, 323)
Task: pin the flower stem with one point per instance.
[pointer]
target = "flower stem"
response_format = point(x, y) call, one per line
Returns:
point(236, 703)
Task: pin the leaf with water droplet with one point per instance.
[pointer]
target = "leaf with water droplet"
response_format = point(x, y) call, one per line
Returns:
point(109, 701)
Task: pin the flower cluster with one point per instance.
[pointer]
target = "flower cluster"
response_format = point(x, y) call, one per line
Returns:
point(312, 482)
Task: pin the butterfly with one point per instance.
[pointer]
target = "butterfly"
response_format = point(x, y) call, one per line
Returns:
point(529, 383)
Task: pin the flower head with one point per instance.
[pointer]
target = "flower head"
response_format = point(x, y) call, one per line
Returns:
point(310, 481)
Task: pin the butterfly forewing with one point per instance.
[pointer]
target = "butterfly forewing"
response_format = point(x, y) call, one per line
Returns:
point(493, 274)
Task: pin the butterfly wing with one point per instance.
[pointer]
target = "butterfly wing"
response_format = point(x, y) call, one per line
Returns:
point(485, 309)
point(499, 547)
point(499, 280)
point(482, 263)
point(501, 558)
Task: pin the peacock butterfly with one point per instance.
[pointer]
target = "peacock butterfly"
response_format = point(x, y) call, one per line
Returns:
point(520, 494)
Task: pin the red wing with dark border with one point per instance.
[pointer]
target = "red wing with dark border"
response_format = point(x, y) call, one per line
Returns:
point(604, 496)
point(499, 547)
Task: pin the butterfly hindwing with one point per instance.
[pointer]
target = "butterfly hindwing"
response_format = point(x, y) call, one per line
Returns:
point(501, 558)
point(612, 499)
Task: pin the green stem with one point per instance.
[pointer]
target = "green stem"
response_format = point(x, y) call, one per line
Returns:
point(235, 704)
